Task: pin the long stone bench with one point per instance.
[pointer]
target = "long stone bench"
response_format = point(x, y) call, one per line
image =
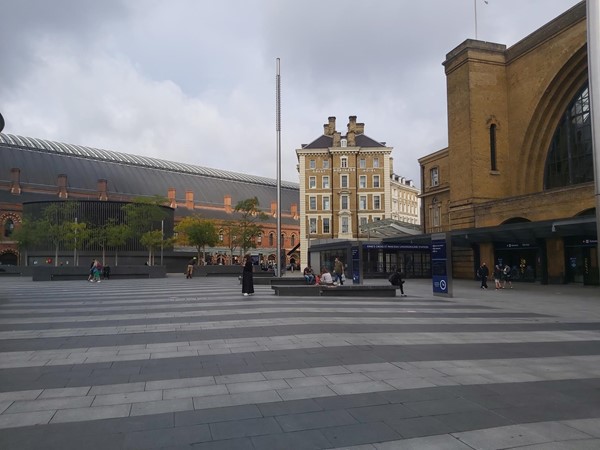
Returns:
point(51, 273)
point(352, 290)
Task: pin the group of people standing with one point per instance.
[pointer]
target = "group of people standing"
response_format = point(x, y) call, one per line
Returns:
point(502, 276)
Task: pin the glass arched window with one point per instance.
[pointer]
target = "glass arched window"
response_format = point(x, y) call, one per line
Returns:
point(569, 159)
point(9, 227)
point(271, 240)
point(293, 240)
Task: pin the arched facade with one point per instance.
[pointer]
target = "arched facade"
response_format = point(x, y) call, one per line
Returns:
point(515, 177)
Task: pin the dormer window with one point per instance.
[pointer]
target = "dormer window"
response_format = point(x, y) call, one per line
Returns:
point(344, 142)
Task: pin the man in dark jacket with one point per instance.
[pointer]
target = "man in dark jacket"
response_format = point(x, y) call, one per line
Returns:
point(483, 272)
point(396, 280)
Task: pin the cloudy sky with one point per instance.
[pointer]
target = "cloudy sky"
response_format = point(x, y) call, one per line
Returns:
point(194, 80)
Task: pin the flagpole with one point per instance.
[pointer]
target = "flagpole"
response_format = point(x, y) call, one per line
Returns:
point(279, 268)
point(475, 7)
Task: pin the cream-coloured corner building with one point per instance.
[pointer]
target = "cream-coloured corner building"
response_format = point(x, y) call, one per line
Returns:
point(344, 184)
point(405, 200)
point(515, 185)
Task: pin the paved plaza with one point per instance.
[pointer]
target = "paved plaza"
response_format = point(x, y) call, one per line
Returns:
point(191, 364)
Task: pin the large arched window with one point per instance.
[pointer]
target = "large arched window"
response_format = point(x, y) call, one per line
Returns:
point(569, 158)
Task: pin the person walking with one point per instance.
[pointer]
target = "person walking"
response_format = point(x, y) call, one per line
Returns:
point(483, 272)
point(396, 280)
point(506, 277)
point(338, 271)
point(247, 277)
point(497, 276)
point(190, 267)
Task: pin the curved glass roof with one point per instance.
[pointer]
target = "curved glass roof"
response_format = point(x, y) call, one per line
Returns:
point(136, 160)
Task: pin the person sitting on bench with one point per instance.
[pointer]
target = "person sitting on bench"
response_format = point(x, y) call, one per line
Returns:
point(326, 279)
point(396, 280)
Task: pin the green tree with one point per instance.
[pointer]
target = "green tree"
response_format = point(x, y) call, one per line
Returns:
point(110, 235)
point(76, 237)
point(144, 214)
point(26, 235)
point(248, 224)
point(55, 224)
point(198, 233)
point(151, 240)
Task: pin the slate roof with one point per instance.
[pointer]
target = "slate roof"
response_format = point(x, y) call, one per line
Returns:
point(41, 161)
point(324, 141)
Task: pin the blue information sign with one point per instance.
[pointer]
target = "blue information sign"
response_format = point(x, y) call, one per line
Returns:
point(439, 264)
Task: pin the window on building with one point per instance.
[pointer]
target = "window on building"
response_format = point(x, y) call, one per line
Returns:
point(312, 225)
point(363, 222)
point(9, 227)
point(362, 202)
point(325, 164)
point(375, 181)
point(345, 224)
point(312, 164)
point(312, 182)
point(435, 212)
point(293, 240)
point(344, 202)
point(326, 203)
point(344, 161)
point(312, 202)
point(362, 181)
point(271, 239)
point(220, 235)
point(362, 163)
point(569, 159)
point(376, 202)
point(493, 165)
point(325, 182)
point(326, 228)
point(376, 218)
point(259, 238)
point(434, 176)
point(376, 163)
point(344, 142)
point(344, 181)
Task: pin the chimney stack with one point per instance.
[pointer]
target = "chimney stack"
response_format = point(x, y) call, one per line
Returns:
point(62, 186)
point(15, 181)
point(274, 209)
point(294, 210)
point(102, 189)
point(227, 203)
point(329, 128)
point(171, 196)
point(352, 124)
point(189, 200)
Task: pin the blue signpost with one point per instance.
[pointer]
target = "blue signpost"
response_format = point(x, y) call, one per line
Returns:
point(441, 264)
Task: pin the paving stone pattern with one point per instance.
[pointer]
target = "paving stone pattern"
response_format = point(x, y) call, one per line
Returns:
point(192, 364)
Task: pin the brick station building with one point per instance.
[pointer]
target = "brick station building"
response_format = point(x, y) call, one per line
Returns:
point(33, 170)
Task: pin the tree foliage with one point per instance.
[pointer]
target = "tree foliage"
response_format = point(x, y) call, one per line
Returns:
point(248, 224)
point(198, 233)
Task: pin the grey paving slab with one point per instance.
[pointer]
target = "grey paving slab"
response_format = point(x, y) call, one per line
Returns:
point(528, 357)
point(299, 440)
point(244, 428)
point(183, 435)
point(361, 433)
point(445, 442)
point(314, 420)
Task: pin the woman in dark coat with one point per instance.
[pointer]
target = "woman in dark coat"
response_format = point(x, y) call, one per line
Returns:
point(247, 279)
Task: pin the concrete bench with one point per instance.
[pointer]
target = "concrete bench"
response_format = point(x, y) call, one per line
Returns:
point(352, 290)
point(50, 273)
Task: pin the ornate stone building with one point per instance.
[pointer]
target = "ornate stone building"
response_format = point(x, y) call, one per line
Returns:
point(515, 185)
